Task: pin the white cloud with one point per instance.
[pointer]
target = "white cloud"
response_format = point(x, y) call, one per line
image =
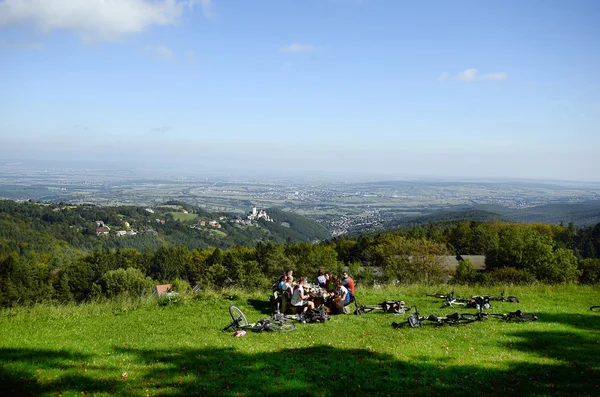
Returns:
point(162, 52)
point(94, 20)
point(21, 44)
point(473, 75)
point(467, 75)
point(297, 47)
point(443, 76)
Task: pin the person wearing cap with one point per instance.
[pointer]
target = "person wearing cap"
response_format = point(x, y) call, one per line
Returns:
point(348, 283)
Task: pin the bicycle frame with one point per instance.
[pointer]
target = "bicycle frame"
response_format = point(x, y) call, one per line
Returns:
point(395, 307)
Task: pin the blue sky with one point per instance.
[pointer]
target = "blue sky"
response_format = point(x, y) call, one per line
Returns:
point(385, 88)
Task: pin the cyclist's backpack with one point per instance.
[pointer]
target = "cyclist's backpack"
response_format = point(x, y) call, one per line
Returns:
point(479, 303)
point(520, 316)
point(414, 321)
point(316, 316)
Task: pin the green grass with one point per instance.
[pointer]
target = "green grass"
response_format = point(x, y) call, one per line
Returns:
point(140, 349)
point(180, 216)
point(218, 233)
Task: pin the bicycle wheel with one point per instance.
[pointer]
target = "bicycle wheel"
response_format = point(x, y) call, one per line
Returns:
point(279, 326)
point(473, 316)
point(359, 310)
point(452, 319)
point(460, 321)
point(238, 316)
point(595, 308)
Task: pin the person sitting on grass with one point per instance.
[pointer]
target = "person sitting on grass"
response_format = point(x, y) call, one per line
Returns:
point(348, 282)
point(336, 305)
point(321, 279)
point(330, 283)
point(289, 285)
point(342, 291)
point(282, 283)
point(299, 299)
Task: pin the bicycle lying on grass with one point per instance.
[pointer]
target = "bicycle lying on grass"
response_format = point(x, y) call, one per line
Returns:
point(517, 316)
point(595, 308)
point(476, 302)
point(503, 298)
point(415, 320)
point(456, 300)
point(318, 315)
point(395, 307)
point(240, 322)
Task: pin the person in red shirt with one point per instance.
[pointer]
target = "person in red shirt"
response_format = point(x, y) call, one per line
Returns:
point(348, 283)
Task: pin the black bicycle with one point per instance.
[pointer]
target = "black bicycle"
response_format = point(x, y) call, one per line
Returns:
point(503, 298)
point(452, 300)
point(595, 308)
point(476, 302)
point(395, 307)
point(517, 316)
point(415, 320)
point(266, 324)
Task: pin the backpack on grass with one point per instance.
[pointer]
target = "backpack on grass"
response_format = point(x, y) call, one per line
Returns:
point(316, 316)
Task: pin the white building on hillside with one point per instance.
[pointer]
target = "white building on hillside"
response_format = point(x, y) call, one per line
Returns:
point(257, 214)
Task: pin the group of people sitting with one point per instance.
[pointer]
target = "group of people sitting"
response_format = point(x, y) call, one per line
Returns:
point(335, 294)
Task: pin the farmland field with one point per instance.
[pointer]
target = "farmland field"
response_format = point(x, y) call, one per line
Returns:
point(138, 348)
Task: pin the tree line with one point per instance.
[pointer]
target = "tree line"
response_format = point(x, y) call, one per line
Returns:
point(39, 266)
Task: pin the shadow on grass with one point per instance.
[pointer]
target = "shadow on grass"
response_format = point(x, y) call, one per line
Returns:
point(572, 366)
point(261, 306)
point(19, 373)
point(580, 321)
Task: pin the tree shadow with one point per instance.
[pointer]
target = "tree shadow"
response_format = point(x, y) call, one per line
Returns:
point(310, 371)
point(19, 377)
point(577, 353)
point(261, 306)
point(580, 321)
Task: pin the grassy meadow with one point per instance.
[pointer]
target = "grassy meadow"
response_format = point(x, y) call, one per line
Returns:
point(138, 348)
point(181, 216)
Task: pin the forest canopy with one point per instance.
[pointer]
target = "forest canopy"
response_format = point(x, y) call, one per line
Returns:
point(59, 253)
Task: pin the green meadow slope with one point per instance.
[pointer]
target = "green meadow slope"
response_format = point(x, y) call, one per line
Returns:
point(141, 349)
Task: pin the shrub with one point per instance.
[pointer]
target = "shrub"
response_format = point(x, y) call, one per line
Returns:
point(466, 274)
point(366, 277)
point(590, 271)
point(509, 275)
point(131, 281)
point(181, 286)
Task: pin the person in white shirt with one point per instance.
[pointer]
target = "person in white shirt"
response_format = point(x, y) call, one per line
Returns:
point(342, 291)
point(321, 279)
point(300, 299)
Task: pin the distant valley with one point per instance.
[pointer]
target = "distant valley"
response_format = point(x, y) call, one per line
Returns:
point(340, 205)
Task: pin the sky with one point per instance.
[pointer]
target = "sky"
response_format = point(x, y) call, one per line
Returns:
point(384, 88)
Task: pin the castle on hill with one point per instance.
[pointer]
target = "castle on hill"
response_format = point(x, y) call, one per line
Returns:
point(257, 214)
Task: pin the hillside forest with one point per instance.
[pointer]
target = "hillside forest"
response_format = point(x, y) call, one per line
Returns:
point(60, 253)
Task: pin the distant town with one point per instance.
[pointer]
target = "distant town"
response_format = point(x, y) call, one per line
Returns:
point(341, 206)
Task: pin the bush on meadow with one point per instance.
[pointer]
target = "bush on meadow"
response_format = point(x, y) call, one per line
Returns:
point(509, 275)
point(590, 271)
point(126, 282)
